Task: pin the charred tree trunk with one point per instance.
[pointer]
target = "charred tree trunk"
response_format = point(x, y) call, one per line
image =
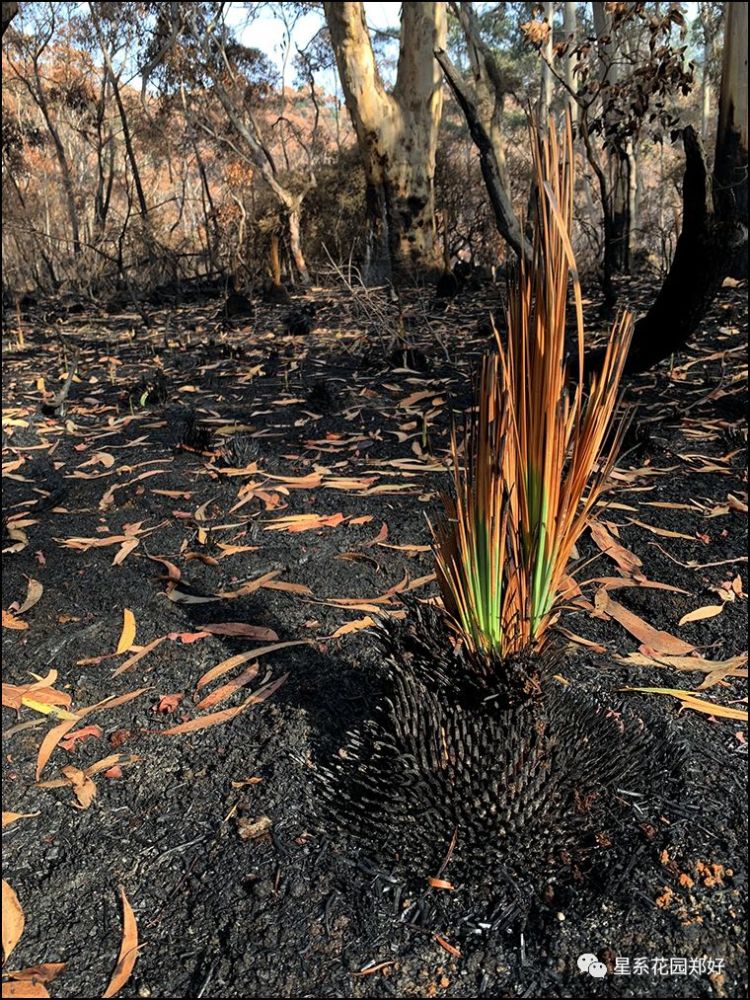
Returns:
point(616, 204)
point(617, 247)
point(546, 87)
point(570, 31)
point(698, 268)
point(228, 89)
point(713, 237)
point(730, 166)
point(38, 93)
point(713, 241)
point(9, 12)
point(124, 122)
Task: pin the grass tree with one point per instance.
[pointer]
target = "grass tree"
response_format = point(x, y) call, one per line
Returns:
point(540, 445)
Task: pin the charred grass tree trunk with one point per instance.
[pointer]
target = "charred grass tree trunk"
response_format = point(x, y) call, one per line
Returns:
point(396, 134)
point(476, 780)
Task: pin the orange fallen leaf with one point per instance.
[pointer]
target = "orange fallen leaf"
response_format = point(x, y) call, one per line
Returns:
point(43, 973)
point(241, 629)
point(14, 920)
point(13, 695)
point(688, 700)
point(379, 538)
point(249, 587)
point(206, 721)
point(49, 743)
point(662, 532)
point(353, 626)
point(251, 829)
point(137, 657)
point(187, 637)
point(579, 640)
point(13, 817)
point(296, 523)
point(173, 571)
point(33, 595)
point(288, 587)
point(236, 661)
point(53, 737)
point(447, 946)
point(225, 691)
point(308, 482)
point(735, 666)
point(128, 949)
point(111, 761)
point(10, 621)
point(83, 787)
point(127, 636)
point(71, 740)
point(370, 970)
point(709, 611)
point(124, 551)
point(620, 582)
point(346, 483)
point(415, 397)
point(84, 544)
point(405, 548)
point(233, 550)
point(265, 692)
point(655, 639)
point(25, 990)
point(440, 883)
point(255, 780)
point(420, 581)
point(168, 703)
point(626, 560)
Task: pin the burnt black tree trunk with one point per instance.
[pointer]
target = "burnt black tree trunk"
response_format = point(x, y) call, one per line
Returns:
point(702, 258)
point(713, 240)
point(9, 12)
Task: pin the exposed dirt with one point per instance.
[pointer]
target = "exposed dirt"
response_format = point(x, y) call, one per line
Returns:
point(147, 448)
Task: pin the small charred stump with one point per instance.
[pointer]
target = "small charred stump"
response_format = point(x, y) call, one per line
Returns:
point(239, 451)
point(274, 294)
point(447, 286)
point(409, 357)
point(193, 434)
point(237, 306)
point(152, 390)
point(299, 322)
point(499, 761)
point(322, 397)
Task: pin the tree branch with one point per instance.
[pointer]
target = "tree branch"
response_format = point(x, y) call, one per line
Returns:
point(505, 218)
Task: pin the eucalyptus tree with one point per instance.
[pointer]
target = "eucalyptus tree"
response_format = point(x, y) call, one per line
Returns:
point(396, 129)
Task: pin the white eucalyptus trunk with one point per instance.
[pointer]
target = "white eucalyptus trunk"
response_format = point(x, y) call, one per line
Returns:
point(396, 132)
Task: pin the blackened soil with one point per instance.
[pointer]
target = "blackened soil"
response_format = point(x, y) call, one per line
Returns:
point(326, 425)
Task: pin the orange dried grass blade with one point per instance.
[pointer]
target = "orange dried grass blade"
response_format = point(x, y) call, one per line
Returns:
point(473, 539)
point(561, 431)
point(535, 460)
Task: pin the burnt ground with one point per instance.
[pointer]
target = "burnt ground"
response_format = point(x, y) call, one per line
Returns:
point(192, 439)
